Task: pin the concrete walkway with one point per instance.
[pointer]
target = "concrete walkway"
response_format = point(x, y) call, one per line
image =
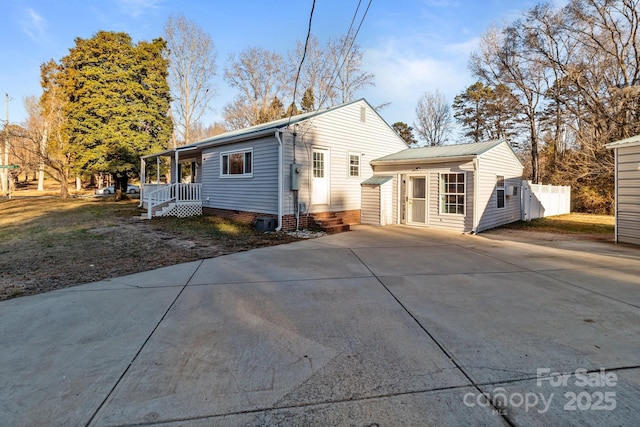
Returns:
point(379, 326)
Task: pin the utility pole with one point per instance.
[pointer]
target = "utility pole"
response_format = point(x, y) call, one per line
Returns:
point(5, 171)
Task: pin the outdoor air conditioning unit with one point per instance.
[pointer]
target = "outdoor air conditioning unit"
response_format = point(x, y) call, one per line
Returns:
point(512, 190)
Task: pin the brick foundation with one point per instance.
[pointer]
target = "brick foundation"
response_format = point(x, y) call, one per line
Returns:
point(288, 221)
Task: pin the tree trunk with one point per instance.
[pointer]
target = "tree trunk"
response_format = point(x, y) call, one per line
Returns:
point(3, 178)
point(64, 189)
point(535, 172)
point(78, 183)
point(120, 184)
point(41, 177)
point(43, 146)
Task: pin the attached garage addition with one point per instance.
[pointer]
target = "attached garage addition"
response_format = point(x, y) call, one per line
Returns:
point(464, 187)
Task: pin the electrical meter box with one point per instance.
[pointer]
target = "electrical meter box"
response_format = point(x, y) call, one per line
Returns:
point(295, 176)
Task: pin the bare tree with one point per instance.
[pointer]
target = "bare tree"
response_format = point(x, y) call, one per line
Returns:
point(315, 74)
point(192, 67)
point(574, 72)
point(349, 76)
point(260, 76)
point(434, 118)
point(35, 137)
point(506, 59)
point(200, 132)
point(56, 150)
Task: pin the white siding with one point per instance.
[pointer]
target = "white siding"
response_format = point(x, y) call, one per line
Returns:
point(258, 193)
point(395, 200)
point(497, 161)
point(628, 197)
point(370, 213)
point(461, 223)
point(386, 203)
point(342, 132)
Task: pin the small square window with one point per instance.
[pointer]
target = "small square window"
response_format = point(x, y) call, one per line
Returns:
point(354, 165)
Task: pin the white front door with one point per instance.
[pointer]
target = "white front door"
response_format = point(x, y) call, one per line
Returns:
point(417, 200)
point(320, 176)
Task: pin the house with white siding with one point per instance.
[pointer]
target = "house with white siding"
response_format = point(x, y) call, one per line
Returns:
point(464, 187)
point(627, 189)
point(284, 174)
point(332, 168)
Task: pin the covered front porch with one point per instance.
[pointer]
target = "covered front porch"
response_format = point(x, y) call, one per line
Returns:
point(170, 183)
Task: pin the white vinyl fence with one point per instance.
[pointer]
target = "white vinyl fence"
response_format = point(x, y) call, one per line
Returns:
point(544, 200)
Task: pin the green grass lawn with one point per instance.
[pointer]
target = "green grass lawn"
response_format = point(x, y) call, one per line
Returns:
point(573, 223)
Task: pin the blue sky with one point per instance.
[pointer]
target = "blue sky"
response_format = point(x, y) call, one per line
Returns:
point(411, 46)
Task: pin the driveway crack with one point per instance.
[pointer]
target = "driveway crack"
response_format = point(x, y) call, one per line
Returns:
point(126, 370)
point(441, 346)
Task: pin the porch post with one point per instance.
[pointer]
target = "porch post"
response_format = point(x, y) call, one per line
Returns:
point(143, 179)
point(158, 170)
point(177, 165)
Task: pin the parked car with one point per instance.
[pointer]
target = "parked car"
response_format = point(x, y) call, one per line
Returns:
point(131, 189)
point(105, 190)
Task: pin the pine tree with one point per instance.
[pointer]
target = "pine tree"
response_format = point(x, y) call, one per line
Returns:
point(292, 110)
point(118, 98)
point(485, 112)
point(308, 102)
point(405, 132)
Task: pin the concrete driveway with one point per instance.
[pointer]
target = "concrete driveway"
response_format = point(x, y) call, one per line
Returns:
point(378, 326)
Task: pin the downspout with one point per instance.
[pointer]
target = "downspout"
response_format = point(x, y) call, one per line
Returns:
point(296, 204)
point(280, 190)
point(476, 185)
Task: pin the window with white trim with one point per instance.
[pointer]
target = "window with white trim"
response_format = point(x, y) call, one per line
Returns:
point(500, 191)
point(318, 164)
point(236, 163)
point(452, 193)
point(354, 165)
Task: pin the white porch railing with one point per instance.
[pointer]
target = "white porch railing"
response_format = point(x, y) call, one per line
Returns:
point(176, 193)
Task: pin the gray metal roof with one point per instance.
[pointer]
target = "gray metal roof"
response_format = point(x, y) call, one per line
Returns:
point(377, 180)
point(443, 151)
point(634, 140)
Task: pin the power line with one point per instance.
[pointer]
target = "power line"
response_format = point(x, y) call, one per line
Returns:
point(304, 54)
point(331, 78)
point(338, 66)
point(337, 70)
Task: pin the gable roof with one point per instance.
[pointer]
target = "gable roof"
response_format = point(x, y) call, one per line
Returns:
point(628, 142)
point(261, 129)
point(440, 153)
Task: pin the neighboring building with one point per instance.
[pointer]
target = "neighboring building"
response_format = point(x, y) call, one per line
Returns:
point(464, 187)
point(627, 189)
point(288, 170)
